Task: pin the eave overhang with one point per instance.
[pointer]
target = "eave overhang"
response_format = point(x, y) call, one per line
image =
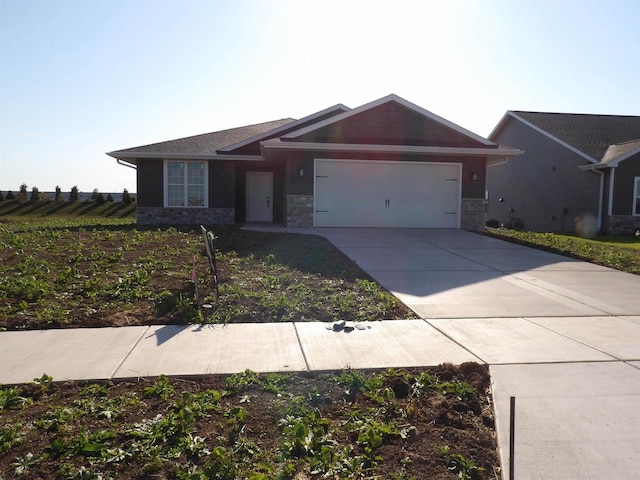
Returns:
point(499, 152)
point(131, 157)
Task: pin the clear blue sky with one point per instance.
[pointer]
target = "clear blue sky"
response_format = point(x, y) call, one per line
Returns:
point(79, 78)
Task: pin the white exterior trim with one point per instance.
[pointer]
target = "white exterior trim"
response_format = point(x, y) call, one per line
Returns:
point(636, 195)
point(186, 156)
point(165, 185)
point(381, 101)
point(611, 184)
point(499, 152)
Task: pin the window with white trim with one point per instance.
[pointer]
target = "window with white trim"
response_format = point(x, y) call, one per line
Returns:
point(636, 196)
point(185, 184)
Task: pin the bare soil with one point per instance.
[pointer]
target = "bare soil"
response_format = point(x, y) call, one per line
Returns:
point(61, 428)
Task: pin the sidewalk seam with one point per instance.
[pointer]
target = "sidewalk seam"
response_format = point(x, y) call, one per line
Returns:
point(454, 341)
point(304, 355)
point(532, 320)
point(126, 355)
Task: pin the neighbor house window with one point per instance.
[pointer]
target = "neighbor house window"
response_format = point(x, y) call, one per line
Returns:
point(185, 184)
point(636, 196)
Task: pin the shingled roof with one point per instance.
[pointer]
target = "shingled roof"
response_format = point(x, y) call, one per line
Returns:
point(591, 134)
point(205, 144)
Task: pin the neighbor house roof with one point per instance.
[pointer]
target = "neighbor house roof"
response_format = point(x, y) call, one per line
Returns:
point(589, 135)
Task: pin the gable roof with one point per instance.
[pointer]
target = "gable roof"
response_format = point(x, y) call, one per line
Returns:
point(420, 131)
point(203, 145)
point(618, 153)
point(588, 135)
point(389, 99)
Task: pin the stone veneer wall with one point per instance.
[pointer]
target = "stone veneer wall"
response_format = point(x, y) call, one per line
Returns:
point(623, 224)
point(472, 215)
point(299, 211)
point(185, 216)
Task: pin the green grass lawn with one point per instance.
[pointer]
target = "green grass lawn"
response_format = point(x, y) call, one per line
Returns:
point(619, 252)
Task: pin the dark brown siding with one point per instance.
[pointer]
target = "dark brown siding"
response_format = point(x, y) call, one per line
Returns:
point(150, 183)
point(389, 124)
point(222, 184)
point(543, 189)
point(623, 185)
point(298, 185)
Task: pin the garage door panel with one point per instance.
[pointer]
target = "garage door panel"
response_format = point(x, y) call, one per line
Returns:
point(386, 194)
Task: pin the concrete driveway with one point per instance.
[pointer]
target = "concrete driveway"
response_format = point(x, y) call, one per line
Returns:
point(458, 274)
point(560, 335)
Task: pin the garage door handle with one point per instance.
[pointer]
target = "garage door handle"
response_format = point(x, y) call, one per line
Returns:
point(268, 200)
point(387, 203)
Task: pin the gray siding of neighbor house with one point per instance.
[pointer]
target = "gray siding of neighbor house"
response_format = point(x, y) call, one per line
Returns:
point(543, 189)
point(624, 179)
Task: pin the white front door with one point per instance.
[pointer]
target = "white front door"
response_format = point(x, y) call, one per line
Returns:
point(259, 197)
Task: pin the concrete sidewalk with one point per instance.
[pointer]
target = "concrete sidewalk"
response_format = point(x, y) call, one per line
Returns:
point(131, 352)
point(577, 389)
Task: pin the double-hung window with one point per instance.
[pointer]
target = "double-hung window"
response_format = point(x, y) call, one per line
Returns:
point(636, 196)
point(185, 184)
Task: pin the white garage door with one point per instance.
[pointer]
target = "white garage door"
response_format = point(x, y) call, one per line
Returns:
point(359, 193)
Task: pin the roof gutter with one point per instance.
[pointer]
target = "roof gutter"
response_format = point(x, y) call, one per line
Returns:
point(184, 156)
point(126, 164)
point(499, 152)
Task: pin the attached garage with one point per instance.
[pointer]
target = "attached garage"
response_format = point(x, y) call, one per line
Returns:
point(362, 193)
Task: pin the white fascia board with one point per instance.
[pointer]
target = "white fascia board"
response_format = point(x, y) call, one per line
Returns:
point(274, 132)
point(555, 139)
point(358, 147)
point(499, 125)
point(381, 101)
point(185, 156)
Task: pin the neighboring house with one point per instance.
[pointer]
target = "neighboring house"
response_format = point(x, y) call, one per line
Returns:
point(388, 163)
point(579, 173)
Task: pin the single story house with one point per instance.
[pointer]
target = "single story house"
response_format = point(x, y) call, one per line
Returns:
point(579, 173)
point(388, 163)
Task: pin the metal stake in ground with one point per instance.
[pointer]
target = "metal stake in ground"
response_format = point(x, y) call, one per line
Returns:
point(512, 431)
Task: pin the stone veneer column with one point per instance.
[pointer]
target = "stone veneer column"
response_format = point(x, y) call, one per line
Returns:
point(472, 214)
point(623, 224)
point(299, 211)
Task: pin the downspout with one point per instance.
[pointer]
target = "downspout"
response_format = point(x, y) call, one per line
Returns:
point(592, 168)
point(126, 164)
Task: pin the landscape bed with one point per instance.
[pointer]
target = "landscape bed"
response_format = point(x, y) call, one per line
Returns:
point(78, 271)
point(395, 424)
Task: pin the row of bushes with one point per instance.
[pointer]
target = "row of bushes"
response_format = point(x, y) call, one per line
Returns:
point(74, 196)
